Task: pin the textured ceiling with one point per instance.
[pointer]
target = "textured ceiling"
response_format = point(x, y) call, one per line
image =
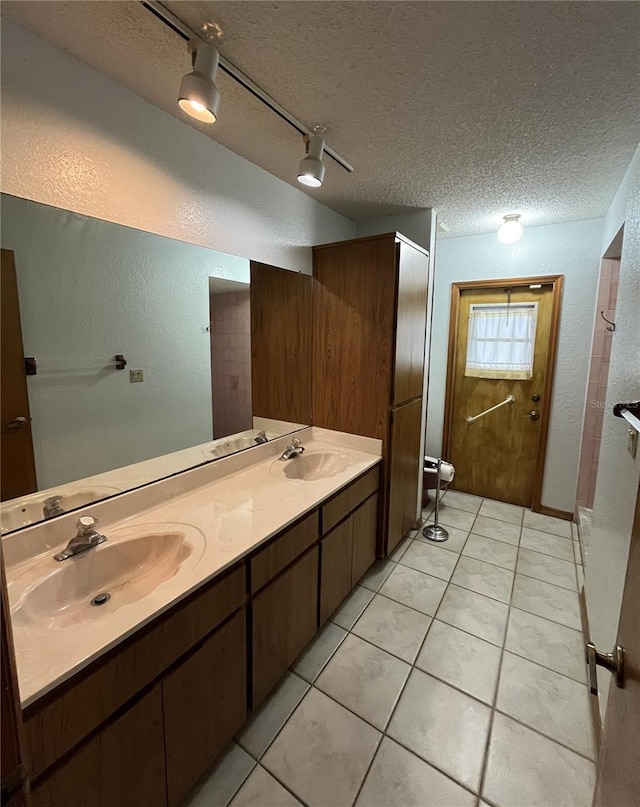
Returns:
point(474, 108)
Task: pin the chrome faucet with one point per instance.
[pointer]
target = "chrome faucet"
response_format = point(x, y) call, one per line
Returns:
point(261, 437)
point(85, 539)
point(294, 450)
point(52, 507)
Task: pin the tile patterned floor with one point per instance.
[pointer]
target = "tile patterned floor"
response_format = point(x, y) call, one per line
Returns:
point(452, 676)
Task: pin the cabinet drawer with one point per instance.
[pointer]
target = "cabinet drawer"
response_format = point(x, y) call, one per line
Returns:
point(83, 705)
point(122, 765)
point(347, 500)
point(271, 560)
point(205, 703)
point(284, 620)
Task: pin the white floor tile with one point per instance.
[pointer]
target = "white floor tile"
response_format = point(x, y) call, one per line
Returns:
point(460, 659)
point(398, 778)
point(450, 517)
point(349, 612)
point(483, 578)
point(554, 646)
point(313, 658)
point(498, 530)
point(474, 613)
point(262, 789)
point(365, 679)
point(431, 559)
point(546, 701)
point(454, 543)
point(543, 567)
point(462, 501)
point(557, 526)
point(227, 776)
point(259, 731)
point(402, 547)
point(547, 544)
point(415, 589)
point(323, 753)
point(502, 511)
point(377, 574)
point(548, 601)
point(527, 770)
point(393, 627)
point(443, 726)
point(489, 550)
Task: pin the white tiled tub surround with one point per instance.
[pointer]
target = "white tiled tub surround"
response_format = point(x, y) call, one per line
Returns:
point(235, 504)
point(443, 680)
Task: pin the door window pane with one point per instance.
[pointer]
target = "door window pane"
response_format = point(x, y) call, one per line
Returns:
point(501, 340)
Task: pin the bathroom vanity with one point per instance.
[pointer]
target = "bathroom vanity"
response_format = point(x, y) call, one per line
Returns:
point(130, 702)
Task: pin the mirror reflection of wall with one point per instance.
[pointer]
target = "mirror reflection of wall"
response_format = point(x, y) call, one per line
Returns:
point(230, 324)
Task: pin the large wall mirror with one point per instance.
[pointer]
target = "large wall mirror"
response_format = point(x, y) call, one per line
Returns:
point(209, 341)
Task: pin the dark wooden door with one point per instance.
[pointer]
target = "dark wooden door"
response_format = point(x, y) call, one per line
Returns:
point(404, 470)
point(411, 322)
point(496, 457)
point(365, 533)
point(335, 567)
point(280, 343)
point(205, 703)
point(284, 620)
point(618, 782)
point(123, 764)
point(18, 470)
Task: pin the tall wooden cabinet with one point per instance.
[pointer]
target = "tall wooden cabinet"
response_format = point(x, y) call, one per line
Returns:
point(369, 322)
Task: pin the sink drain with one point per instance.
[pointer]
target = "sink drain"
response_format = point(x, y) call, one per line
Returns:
point(100, 599)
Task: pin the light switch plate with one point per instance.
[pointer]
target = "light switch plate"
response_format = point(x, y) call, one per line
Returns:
point(135, 376)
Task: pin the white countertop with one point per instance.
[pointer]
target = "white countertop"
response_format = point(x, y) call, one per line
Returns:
point(231, 507)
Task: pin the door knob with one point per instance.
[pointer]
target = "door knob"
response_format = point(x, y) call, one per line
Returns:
point(614, 662)
point(533, 415)
point(535, 397)
point(18, 423)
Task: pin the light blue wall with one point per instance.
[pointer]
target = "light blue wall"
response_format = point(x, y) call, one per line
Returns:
point(573, 250)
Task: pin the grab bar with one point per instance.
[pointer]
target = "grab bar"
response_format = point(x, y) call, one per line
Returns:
point(508, 400)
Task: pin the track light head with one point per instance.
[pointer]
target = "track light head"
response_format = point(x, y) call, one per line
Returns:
point(311, 170)
point(199, 95)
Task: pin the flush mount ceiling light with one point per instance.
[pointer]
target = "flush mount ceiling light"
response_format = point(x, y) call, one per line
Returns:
point(199, 95)
point(311, 170)
point(511, 229)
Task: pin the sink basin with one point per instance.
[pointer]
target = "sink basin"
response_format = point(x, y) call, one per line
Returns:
point(312, 465)
point(28, 511)
point(227, 447)
point(128, 566)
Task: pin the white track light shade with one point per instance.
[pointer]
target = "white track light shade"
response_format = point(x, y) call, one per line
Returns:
point(311, 170)
point(199, 96)
point(511, 229)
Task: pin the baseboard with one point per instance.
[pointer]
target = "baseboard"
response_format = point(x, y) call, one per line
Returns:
point(594, 702)
point(551, 511)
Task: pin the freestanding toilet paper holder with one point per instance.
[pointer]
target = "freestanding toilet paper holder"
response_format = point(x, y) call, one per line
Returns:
point(434, 532)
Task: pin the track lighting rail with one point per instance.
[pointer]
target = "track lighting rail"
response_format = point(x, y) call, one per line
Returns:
point(183, 30)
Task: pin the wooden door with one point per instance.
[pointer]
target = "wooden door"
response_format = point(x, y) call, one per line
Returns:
point(280, 343)
point(205, 703)
point(497, 456)
point(335, 563)
point(411, 323)
point(284, 620)
point(123, 764)
point(18, 470)
point(618, 781)
point(404, 470)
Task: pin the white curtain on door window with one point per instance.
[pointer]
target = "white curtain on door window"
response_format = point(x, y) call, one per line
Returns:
point(501, 340)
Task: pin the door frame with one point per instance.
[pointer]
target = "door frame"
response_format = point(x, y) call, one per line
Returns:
point(557, 283)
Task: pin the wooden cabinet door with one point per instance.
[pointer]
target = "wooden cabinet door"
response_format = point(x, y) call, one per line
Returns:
point(284, 620)
point(365, 532)
point(411, 322)
point(405, 466)
point(335, 568)
point(122, 765)
point(205, 703)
